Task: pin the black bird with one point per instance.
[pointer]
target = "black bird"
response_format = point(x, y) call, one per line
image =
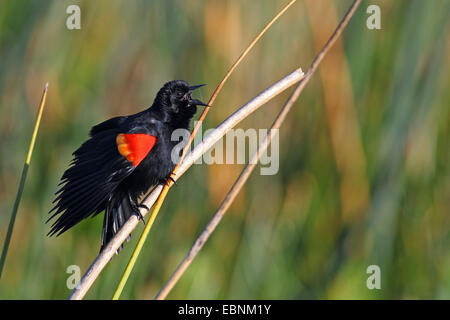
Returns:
point(121, 160)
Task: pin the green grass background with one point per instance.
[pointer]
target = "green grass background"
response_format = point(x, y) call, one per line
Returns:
point(364, 173)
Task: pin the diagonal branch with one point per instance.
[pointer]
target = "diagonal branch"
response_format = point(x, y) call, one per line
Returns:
point(240, 182)
point(239, 115)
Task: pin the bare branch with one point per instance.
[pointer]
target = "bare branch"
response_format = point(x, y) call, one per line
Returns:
point(241, 180)
point(239, 115)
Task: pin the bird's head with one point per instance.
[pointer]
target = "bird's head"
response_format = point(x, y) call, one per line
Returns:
point(175, 98)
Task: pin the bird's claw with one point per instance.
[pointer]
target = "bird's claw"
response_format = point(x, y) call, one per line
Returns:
point(138, 212)
point(141, 205)
point(141, 217)
point(169, 179)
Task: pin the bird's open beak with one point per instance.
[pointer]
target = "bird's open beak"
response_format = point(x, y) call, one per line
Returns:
point(192, 88)
point(196, 102)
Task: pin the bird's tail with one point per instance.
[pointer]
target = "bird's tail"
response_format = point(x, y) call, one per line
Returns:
point(118, 210)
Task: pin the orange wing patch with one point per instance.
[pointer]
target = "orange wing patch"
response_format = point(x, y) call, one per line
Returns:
point(135, 146)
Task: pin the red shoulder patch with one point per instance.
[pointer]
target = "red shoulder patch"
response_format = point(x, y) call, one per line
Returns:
point(135, 146)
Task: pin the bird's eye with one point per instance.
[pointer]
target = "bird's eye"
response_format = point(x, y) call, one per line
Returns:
point(179, 94)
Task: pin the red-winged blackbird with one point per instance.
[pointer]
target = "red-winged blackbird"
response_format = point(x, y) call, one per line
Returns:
point(122, 159)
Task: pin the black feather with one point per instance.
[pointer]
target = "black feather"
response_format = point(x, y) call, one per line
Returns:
point(100, 179)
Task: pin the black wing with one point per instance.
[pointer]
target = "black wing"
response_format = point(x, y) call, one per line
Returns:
point(95, 171)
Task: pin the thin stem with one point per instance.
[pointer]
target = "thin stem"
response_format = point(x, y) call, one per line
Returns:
point(227, 75)
point(22, 181)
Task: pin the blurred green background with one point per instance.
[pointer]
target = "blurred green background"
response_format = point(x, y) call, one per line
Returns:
point(364, 157)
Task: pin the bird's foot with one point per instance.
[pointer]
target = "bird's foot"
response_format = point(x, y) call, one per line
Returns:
point(141, 205)
point(168, 180)
point(135, 206)
point(171, 178)
point(136, 210)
